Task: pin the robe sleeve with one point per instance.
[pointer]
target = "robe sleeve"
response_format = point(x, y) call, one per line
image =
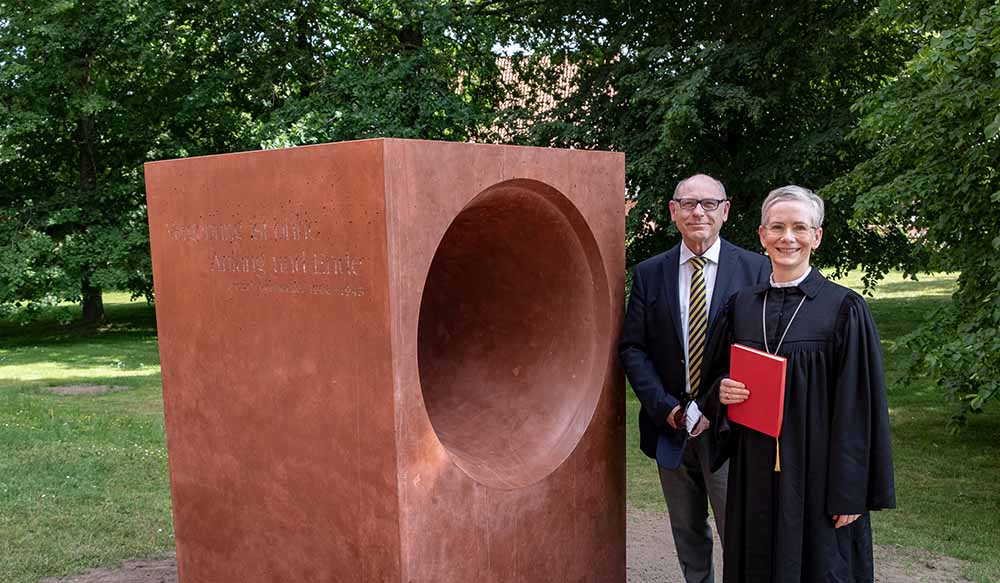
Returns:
point(717, 368)
point(634, 354)
point(860, 473)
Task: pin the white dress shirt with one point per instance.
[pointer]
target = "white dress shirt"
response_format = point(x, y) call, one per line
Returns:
point(792, 283)
point(684, 290)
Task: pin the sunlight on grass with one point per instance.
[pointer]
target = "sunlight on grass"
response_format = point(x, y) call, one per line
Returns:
point(52, 371)
point(895, 286)
point(109, 298)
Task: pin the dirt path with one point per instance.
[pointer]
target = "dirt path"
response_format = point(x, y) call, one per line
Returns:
point(651, 559)
point(649, 549)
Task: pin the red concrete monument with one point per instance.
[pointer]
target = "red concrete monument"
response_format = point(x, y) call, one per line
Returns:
point(393, 361)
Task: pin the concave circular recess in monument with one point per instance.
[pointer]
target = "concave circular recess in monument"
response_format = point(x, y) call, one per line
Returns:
point(512, 320)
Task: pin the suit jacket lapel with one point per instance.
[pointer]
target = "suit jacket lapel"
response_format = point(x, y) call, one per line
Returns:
point(670, 285)
point(723, 279)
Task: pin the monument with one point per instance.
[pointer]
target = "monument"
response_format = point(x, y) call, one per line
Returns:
point(393, 361)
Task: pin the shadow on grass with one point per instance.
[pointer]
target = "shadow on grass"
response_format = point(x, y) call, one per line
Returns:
point(142, 393)
point(127, 342)
point(137, 318)
point(148, 379)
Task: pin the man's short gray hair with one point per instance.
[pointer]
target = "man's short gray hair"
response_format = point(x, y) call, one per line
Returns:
point(794, 193)
point(722, 189)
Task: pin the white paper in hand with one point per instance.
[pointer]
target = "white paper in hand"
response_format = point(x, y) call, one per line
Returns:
point(692, 415)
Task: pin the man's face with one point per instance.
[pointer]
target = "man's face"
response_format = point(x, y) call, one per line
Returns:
point(789, 236)
point(699, 228)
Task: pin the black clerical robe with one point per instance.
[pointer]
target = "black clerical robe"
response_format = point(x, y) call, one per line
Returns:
point(834, 446)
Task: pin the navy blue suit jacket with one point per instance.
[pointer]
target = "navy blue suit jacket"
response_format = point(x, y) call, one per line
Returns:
point(651, 345)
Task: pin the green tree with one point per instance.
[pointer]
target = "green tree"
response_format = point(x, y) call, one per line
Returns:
point(403, 68)
point(756, 93)
point(89, 90)
point(935, 132)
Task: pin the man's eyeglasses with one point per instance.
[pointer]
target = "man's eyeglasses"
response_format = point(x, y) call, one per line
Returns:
point(709, 204)
point(779, 229)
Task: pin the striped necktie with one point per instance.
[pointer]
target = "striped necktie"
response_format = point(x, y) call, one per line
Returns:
point(697, 322)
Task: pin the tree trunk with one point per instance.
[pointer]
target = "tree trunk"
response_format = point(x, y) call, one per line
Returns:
point(411, 40)
point(93, 303)
point(86, 135)
point(86, 132)
point(304, 26)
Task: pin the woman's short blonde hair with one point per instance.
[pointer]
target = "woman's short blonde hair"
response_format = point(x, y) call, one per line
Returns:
point(794, 193)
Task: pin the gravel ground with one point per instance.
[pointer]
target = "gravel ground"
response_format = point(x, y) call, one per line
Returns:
point(651, 559)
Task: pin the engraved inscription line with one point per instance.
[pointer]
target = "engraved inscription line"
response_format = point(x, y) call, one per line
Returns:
point(305, 262)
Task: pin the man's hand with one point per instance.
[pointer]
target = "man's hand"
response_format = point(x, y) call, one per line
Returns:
point(732, 392)
point(844, 519)
point(676, 417)
point(702, 425)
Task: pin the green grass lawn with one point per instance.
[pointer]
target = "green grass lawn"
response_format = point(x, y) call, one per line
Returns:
point(83, 479)
point(947, 486)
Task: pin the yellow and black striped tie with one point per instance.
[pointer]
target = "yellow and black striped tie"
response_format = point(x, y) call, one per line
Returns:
point(697, 322)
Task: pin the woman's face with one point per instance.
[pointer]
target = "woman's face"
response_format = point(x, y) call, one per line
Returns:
point(789, 237)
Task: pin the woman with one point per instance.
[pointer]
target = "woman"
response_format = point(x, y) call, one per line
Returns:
point(797, 507)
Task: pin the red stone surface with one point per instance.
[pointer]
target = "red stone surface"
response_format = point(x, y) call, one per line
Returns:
point(393, 360)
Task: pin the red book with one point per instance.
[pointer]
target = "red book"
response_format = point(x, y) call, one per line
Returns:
point(764, 376)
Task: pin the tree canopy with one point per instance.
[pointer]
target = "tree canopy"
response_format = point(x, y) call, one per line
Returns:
point(888, 108)
point(757, 94)
point(91, 89)
point(935, 136)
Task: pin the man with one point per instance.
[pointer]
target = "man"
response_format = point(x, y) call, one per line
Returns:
point(675, 298)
